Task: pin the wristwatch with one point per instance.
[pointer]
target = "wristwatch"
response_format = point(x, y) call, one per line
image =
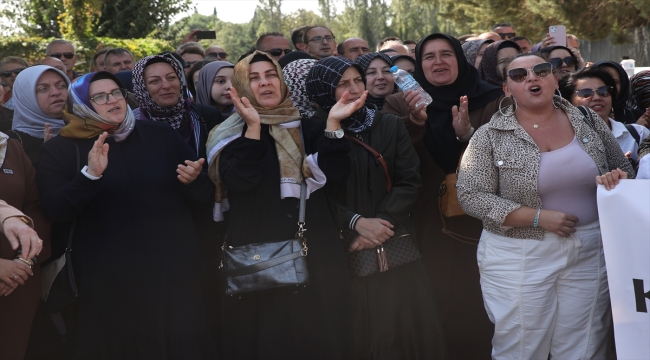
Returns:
point(336, 134)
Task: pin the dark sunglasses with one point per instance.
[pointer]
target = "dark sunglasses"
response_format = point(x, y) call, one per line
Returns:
point(67, 55)
point(602, 91)
point(507, 35)
point(189, 64)
point(569, 61)
point(220, 55)
point(278, 52)
point(8, 73)
point(540, 70)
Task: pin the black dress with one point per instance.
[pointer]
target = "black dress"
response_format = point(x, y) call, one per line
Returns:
point(286, 323)
point(135, 250)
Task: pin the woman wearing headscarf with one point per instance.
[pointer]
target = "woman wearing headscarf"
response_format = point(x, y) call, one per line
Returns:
point(215, 80)
point(40, 92)
point(622, 113)
point(395, 314)
point(494, 58)
point(20, 276)
point(256, 158)
point(134, 242)
point(379, 80)
point(293, 56)
point(640, 94)
point(474, 50)
point(440, 133)
point(295, 75)
point(158, 85)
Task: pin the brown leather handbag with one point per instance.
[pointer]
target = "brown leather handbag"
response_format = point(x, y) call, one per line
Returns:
point(448, 195)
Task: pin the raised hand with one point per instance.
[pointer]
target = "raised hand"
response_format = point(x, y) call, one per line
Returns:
point(248, 113)
point(343, 109)
point(98, 156)
point(190, 171)
point(461, 123)
point(47, 132)
point(418, 113)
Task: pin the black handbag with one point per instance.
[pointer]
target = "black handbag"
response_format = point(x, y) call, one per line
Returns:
point(59, 287)
point(268, 265)
point(394, 252)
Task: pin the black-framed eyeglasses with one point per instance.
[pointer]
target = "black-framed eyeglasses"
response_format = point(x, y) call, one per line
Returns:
point(278, 52)
point(506, 36)
point(67, 55)
point(189, 64)
point(602, 91)
point(569, 61)
point(102, 98)
point(540, 70)
point(219, 55)
point(6, 74)
point(327, 38)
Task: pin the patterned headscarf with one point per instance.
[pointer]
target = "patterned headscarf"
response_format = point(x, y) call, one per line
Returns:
point(471, 49)
point(487, 69)
point(28, 116)
point(82, 121)
point(295, 74)
point(204, 85)
point(364, 61)
point(149, 110)
point(641, 89)
point(321, 85)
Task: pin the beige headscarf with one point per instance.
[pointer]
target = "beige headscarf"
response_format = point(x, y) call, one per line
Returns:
point(283, 121)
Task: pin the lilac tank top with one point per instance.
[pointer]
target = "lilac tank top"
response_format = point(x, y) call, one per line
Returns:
point(567, 182)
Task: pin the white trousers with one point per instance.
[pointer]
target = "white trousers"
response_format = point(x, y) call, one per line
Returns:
point(546, 296)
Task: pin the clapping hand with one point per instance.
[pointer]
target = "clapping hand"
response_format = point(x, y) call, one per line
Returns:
point(248, 113)
point(47, 132)
point(461, 123)
point(190, 171)
point(98, 156)
point(344, 109)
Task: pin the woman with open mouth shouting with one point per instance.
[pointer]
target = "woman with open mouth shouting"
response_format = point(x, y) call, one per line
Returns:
point(531, 175)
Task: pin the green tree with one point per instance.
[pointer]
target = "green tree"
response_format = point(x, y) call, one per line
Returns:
point(135, 19)
point(34, 17)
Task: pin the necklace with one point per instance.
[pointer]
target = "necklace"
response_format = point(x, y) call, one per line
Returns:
point(536, 124)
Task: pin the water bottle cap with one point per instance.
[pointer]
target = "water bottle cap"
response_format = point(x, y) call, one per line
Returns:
point(394, 69)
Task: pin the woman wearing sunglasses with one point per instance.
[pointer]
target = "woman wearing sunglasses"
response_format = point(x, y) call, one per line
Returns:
point(136, 255)
point(529, 176)
point(596, 89)
point(562, 58)
point(10, 67)
point(622, 112)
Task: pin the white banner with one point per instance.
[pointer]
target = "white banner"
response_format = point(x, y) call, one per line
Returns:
point(624, 214)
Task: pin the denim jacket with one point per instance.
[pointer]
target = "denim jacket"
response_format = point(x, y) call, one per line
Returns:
point(500, 168)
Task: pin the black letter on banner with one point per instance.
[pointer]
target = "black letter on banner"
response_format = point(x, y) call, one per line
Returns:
point(640, 296)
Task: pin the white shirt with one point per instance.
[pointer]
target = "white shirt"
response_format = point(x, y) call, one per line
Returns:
point(625, 139)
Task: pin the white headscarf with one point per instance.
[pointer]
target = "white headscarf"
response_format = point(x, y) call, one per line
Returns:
point(28, 116)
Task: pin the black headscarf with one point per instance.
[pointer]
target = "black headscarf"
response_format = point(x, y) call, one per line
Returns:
point(487, 69)
point(364, 61)
point(321, 87)
point(440, 137)
point(621, 112)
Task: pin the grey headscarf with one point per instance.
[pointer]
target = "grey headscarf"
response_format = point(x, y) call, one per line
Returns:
point(471, 49)
point(28, 116)
point(204, 85)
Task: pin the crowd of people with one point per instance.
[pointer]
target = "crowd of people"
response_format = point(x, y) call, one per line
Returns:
point(150, 168)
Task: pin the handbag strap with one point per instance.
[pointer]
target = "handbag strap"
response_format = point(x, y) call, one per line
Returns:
point(378, 156)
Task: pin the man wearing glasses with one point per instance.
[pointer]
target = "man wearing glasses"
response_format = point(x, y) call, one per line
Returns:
point(505, 30)
point(274, 44)
point(64, 51)
point(10, 67)
point(320, 42)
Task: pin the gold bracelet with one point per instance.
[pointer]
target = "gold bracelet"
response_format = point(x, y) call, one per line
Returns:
point(29, 263)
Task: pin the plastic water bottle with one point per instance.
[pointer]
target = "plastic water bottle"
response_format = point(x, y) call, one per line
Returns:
point(406, 82)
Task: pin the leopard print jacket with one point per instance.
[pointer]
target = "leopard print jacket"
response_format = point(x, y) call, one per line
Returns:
point(499, 170)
